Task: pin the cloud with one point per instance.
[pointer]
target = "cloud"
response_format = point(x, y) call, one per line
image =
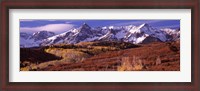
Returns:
point(57, 28)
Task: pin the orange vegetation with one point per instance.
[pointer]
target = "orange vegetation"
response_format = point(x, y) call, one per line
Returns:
point(115, 57)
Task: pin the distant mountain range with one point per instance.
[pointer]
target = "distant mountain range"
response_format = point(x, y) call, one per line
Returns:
point(143, 33)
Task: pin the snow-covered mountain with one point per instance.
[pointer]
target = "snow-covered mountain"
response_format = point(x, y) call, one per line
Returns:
point(35, 39)
point(143, 33)
point(172, 34)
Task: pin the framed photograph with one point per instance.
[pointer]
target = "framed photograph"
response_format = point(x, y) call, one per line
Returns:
point(100, 45)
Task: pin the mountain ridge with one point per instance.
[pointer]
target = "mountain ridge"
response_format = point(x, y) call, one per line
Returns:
point(143, 33)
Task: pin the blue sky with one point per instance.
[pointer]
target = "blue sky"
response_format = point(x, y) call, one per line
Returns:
point(59, 26)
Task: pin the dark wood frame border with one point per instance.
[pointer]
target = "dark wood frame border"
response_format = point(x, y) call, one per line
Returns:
point(99, 4)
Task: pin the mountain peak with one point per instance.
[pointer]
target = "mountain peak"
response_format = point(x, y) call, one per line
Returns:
point(84, 29)
point(144, 25)
point(145, 28)
point(43, 32)
point(41, 35)
point(85, 25)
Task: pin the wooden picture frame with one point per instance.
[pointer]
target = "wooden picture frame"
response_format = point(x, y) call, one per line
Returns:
point(99, 4)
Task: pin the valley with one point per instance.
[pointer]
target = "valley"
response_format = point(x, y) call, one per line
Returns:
point(103, 56)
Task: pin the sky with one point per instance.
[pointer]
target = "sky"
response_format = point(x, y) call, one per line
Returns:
point(59, 26)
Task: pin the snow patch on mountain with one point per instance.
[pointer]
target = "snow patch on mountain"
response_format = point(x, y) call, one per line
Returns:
point(34, 40)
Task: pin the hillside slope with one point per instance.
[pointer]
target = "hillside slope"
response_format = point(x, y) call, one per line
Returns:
point(155, 56)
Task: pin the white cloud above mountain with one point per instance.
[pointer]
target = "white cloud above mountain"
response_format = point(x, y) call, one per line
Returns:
point(57, 28)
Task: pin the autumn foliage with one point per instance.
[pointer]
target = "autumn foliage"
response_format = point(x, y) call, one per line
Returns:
point(103, 56)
